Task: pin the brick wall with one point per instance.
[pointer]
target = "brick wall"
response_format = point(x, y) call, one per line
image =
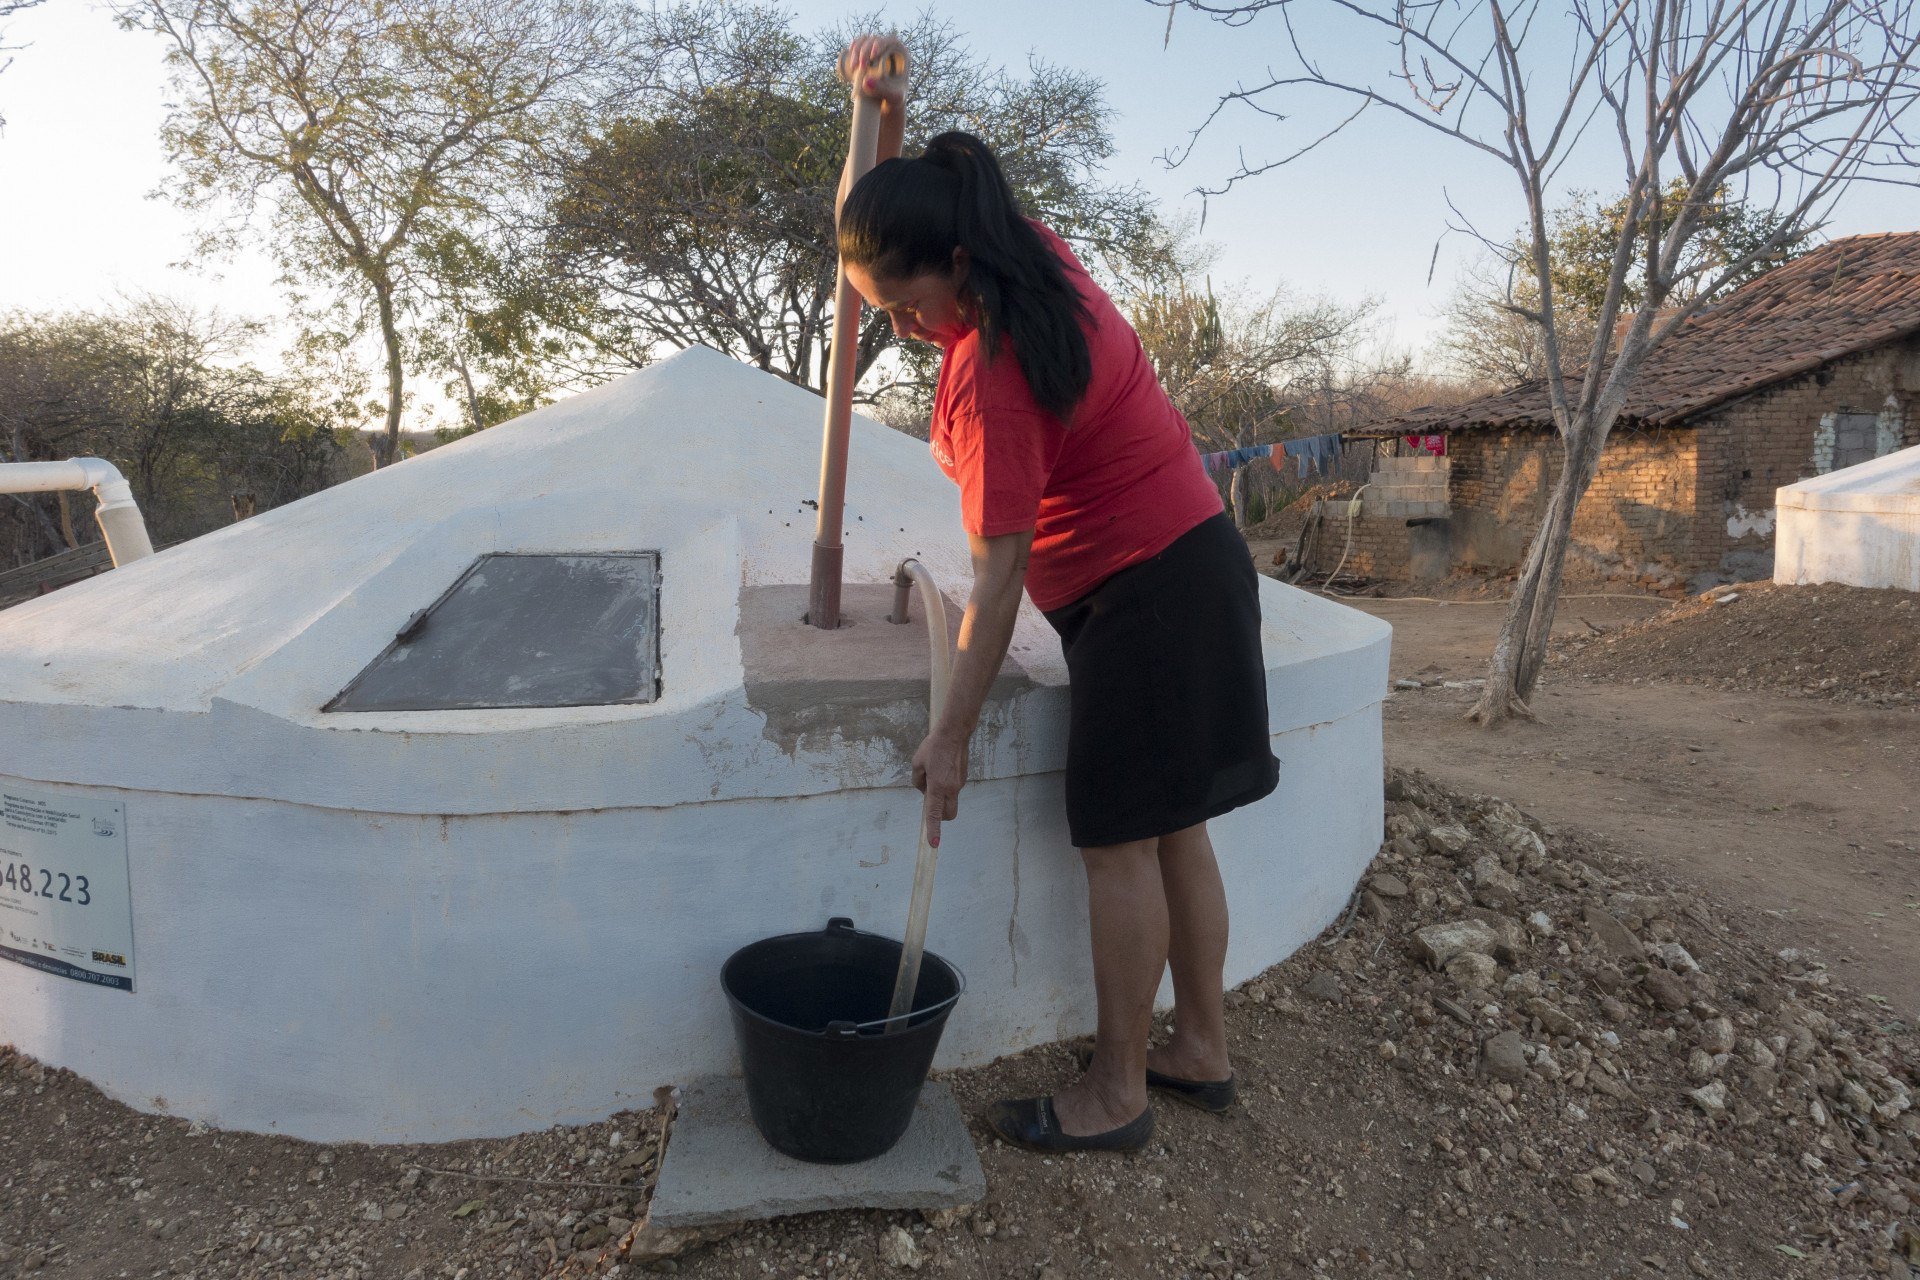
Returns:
point(1640, 510)
point(1381, 547)
point(1755, 445)
point(1681, 501)
point(1378, 541)
point(1393, 548)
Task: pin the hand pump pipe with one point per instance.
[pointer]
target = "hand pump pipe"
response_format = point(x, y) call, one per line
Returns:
point(823, 591)
point(119, 515)
point(912, 574)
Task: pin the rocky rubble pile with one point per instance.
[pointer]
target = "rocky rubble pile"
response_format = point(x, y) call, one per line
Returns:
point(1848, 644)
point(1516, 1056)
point(1589, 1008)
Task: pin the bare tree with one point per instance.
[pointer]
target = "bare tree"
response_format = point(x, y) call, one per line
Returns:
point(7, 9)
point(376, 131)
point(1490, 338)
point(1491, 335)
point(1779, 103)
point(1241, 371)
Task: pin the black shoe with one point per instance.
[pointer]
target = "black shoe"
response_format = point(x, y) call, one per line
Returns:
point(1031, 1123)
point(1208, 1095)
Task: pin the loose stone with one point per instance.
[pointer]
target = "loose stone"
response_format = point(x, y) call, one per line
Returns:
point(1504, 1057)
point(1665, 989)
point(1438, 943)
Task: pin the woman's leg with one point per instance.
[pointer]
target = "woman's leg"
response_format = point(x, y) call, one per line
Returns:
point(1127, 909)
point(1197, 952)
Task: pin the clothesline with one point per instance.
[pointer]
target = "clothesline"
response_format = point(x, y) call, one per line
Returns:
point(1318, 454)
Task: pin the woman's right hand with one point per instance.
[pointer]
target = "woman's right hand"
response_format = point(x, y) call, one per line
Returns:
point(866, 65)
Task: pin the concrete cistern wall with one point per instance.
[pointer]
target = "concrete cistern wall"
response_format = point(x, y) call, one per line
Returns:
point(416, 925)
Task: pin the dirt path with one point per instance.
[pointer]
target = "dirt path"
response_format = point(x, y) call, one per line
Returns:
point(1802, 809)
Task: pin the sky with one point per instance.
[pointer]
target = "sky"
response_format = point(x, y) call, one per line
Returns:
point(1358, 218)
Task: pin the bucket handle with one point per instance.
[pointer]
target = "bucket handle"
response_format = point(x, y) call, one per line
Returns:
point(843, 1028)
point(839, 924)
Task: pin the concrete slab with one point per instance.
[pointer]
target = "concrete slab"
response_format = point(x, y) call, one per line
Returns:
point(866, 681)
point(719, 1169)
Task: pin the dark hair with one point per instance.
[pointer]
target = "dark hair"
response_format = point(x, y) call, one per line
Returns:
point(906, 217)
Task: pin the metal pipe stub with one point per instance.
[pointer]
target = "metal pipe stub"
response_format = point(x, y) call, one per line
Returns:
point(823, 590)
point(902, 596)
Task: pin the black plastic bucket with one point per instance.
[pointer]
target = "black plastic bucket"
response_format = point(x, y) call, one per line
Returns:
point(829, 1078)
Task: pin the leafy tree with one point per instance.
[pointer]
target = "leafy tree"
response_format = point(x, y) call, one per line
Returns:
point(704, 213)
point(152, 388)
point(1491, 334)
point(487, 305)
point(377, 133)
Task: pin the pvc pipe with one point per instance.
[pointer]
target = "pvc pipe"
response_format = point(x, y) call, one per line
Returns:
point(46, 477)
point(908, 979)
point(823, 591)
point(119, 515)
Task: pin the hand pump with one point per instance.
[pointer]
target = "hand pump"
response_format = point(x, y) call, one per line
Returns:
point(823, 592)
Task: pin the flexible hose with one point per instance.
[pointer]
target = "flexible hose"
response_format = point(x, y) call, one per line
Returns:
point(1504, 600)
point(1353, 509)
point(907, 981)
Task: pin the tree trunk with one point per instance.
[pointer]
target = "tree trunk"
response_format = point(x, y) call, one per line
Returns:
point(1237, 482)
point(473, 400)
point(66, 520)
point(1521, 651)
point(390, 333)
point(42, 536)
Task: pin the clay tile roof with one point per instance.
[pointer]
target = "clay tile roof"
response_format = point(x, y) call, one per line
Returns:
point(1848, 296)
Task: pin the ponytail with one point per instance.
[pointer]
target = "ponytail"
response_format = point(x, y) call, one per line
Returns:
point(906, 217)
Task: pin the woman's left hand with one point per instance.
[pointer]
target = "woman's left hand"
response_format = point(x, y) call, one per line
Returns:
point(939, 771)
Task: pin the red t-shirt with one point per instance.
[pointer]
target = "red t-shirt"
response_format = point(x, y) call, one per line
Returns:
point(1117, 488)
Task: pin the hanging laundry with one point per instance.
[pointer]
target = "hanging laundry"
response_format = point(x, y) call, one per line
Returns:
point(1432, 445)
point(1318, 454)
point(1233, 459)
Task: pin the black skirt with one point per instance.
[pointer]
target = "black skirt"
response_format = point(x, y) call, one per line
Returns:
point(1168, 725)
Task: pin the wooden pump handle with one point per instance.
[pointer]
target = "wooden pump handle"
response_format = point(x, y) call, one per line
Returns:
point(893, 63)
point(823, 590)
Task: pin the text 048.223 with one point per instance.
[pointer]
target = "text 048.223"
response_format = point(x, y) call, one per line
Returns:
point(57, 885)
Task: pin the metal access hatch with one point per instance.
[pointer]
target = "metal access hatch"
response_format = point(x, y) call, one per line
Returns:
point(522, 630)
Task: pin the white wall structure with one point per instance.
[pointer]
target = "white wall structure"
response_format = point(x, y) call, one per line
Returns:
point(1859, 525)
point(424, 925)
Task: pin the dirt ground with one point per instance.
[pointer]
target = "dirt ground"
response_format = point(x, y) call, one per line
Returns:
point(1802, 808)
point(1676, 1040)
point(1840, 643)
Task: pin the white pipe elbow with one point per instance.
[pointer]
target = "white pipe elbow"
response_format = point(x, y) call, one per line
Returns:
point(108, 485)
point(119, 515)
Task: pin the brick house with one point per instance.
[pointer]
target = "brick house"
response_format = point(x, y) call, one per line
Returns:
point(1811, 367)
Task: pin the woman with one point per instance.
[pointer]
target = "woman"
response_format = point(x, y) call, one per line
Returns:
point(1080, 485)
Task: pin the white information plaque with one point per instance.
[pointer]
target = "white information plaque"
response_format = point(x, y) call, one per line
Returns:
point(65, 904)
